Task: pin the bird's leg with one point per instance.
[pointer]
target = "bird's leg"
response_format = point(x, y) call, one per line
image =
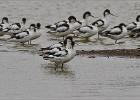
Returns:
point(115, 41)
point(56, 65)
point(30, 42)
point(62, 67)
point(74, 34)
point(63, 37)
point(98, 36)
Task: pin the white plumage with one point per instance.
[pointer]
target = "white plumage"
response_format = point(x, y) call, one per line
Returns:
point(87, 31)
point(117, 32)
point(25, 36)
point(60, 44)
point(60, 31)
point(54, 26)
point(103, 23)
point(64, 28)
point(22, 35)
point(15, 26)
point(51, 48)
point(134, 25)
point(88, 18)
point(59, 55)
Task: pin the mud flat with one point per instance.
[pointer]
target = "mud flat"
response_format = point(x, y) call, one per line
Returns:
point(134, 53)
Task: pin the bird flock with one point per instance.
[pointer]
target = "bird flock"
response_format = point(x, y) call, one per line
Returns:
point(63, 51)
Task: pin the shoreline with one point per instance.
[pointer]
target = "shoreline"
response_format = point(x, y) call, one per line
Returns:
point(132, 53)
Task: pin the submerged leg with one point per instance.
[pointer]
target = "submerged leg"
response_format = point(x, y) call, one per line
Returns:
point(62, 67)
point(56, 65)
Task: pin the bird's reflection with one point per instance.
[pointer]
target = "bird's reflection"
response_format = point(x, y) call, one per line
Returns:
point(50, 68)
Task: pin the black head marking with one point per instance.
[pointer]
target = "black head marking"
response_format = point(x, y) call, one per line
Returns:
point(71, 17)
point(6, 19)
point(32, 25)
point(38, 25)
point(122, 24)
point(86, 13)
point(138, 18)
point(106, 11)
point(24, 20)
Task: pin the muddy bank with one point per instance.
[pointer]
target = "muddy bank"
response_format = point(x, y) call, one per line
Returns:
point(135, 53)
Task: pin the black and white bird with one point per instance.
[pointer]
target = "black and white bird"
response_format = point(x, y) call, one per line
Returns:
point(23, 24)
point(134, 27)
point(64, 28)
point(19, 26)
point(4, 26)
point(74, 25)
point(117, 32)
point(60, 31)
point(104, 23)
point(88, 31)
point(88, 18)
point(61, 55)
point(37, 32)
point(54, 26)
point(15, 26)
point(24, 36)
point(59, 44)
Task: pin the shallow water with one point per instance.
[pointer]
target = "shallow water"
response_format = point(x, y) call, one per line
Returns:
point(25, 75)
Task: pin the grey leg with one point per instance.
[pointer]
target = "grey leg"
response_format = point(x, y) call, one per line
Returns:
point(115, 41)
point(55, 66)
point(98, 36)
point(62, 67)
point(30, 42)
